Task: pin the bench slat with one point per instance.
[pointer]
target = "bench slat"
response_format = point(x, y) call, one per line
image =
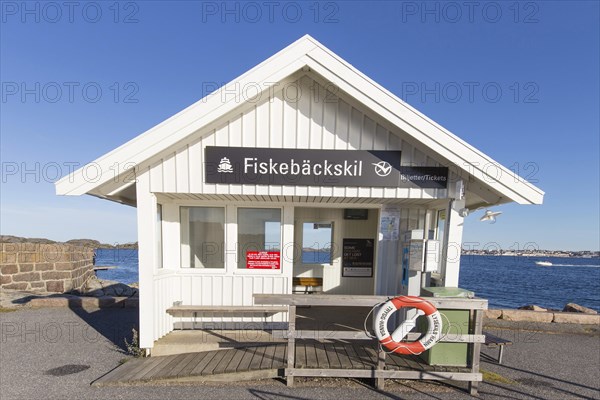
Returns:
point(493, 340)
point(305, 281)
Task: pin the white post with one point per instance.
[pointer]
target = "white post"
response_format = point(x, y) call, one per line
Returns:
point(146, 217)
point(232, 256)
point(388, 264)
point(452, 243)
point(174, 254)
point(426, 276)
point(288, 247)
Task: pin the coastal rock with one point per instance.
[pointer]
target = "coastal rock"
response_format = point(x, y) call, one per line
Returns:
point(493, 314)
point(576, 318)
point(119, 289)
point(95, 293)
point(93, 284)
point(91, 243)
point(107, 283)
point(19, 239)
point(526, 315)
point(101, 288)
point(572, 307)
point(533, 307)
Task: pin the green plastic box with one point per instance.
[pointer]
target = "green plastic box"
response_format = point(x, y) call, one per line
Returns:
point(454, 322)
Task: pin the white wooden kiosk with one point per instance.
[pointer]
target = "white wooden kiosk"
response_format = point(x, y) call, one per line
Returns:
point(218, 223)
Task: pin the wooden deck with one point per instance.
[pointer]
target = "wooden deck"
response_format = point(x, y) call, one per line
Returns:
point(260, 362)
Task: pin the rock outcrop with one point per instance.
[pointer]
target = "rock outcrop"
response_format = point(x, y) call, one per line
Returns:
point(572, 307)
point(533, 307)
point(99, 288)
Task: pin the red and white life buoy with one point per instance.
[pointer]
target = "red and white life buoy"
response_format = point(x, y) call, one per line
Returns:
point(393, 342)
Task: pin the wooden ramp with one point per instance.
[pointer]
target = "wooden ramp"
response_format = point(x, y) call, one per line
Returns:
point(258, 362)
point(217, 365)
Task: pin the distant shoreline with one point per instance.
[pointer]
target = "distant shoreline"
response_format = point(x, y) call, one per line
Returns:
point(89, 243)
point(582, 254)
point(95, 244)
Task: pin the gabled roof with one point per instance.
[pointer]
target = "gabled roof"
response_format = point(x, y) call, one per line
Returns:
point(308, 54)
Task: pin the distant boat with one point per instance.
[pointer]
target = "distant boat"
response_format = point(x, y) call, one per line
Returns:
point(543, 263)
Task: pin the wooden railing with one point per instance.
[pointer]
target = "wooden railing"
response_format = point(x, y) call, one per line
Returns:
point(474, 338)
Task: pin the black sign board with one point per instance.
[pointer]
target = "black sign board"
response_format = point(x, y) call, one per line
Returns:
point(357, 258)
point(265, 166)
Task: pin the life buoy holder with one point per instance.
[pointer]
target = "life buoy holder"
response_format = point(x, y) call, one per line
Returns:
point(393, 342)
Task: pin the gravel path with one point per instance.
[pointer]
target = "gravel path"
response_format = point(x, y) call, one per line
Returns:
point(55, 353)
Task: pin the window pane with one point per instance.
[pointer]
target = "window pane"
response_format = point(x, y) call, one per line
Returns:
point(159, 260)
point(202, 237)
point(259, 230)
point(316, 243)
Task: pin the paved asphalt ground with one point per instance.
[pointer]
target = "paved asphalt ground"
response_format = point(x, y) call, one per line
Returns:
point(36, 343)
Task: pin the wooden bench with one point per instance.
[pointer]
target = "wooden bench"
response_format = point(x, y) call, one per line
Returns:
point(179, 310)
point(311, 283)
point(493, 341)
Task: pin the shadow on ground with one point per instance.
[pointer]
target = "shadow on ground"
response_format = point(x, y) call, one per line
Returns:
point(112, 321)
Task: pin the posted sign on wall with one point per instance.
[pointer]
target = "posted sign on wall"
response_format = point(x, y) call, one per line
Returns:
point(304, 167)
point(357, 258)
point(263, 260)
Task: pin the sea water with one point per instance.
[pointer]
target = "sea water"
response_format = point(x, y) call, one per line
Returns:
point(514, 281)
point(506, 281)
point(125, 262)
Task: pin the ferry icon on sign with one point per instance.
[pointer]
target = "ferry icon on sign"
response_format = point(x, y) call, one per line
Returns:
point(382, 168)
point(225, 165)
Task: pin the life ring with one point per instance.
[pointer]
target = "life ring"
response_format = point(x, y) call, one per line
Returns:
point(393, 342)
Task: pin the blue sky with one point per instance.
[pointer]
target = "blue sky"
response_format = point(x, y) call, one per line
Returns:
point(518, 80)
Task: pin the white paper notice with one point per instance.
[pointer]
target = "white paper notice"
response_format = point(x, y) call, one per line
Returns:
point(390, 223)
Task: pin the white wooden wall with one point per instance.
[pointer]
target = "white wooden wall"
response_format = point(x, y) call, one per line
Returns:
point(229, 286)
point(315, 119)
point(212, 290)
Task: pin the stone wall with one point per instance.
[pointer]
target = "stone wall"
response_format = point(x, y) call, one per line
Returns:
point(544, 316)
point(55, 268)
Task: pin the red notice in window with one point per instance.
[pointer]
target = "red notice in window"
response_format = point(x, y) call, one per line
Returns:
point(262, 260)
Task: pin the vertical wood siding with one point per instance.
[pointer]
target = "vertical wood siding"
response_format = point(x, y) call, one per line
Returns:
point(315, 119)
point(211, 290)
